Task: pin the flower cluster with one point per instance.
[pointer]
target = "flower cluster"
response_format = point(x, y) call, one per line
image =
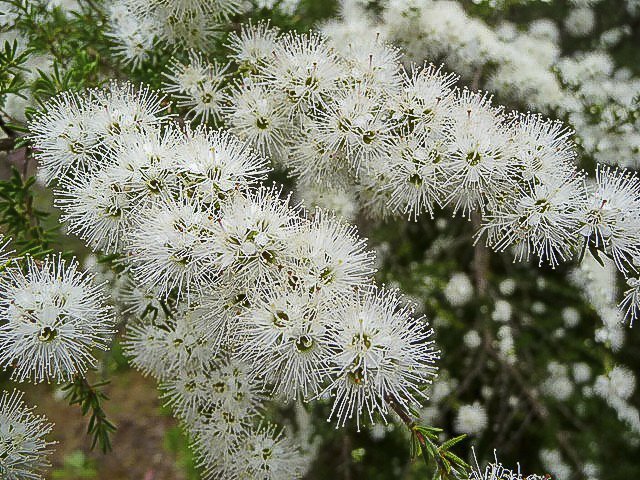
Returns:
point(524, 66)
point(23, 448)
point(348, 116)
point(241, 292)
point(136, 26)
point(52, 316)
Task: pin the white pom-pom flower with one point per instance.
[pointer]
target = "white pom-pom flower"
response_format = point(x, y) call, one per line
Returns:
point(53, 318)
point(382, 354)
point(23, 447)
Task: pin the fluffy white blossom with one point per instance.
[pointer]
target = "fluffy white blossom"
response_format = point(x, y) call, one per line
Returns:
point(580, 21)
point(170, 246)
point(197, 86)
point(53, 318)
point(612, 218)
point(23, 446)
point(471, 419)
point(381, 353)
point(253, 45)
point(459, 289)
point(283, 335)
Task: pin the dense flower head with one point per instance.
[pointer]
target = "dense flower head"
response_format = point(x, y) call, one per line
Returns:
point(225, 386)
point(213, 164)
point(407, 141)
point(72, 131)
point(307, 69)
point(197, 86)
point(54, 316)
point(23, 446)
point(253, 452)
point(335, 258)
point(253, 45)
point(283, 335)
point(225, 266)
point(541, 219)
point(236, 296)
point(381, 354)
point(137, 26)
point(169, 247)
point(611, 219)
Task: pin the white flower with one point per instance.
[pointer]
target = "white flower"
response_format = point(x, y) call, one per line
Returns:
point(186, 8)
point(413, 177)
point(23, 448)
point(507, 286)
point(570, 316)
point(539, 218)
point(213, 164)
point(269, 455)
point(619, 382)
point(197, 86)
point(371, 61)
point(612, 217)
point(581, 372)
point(580, 21)
point(171, 342)
point(54, 316)
point(630, 304)
point(133, 33)
point(334, 259)
point(62, 137)
point(425, 102)
point(253, 452)
point(224, 386)
point(558, 385)
point(171, 246)
point(496, 471)
point(543, 147)
point(502, 311)
point(98, 208)
point(254, 44)
point(340, 201)
point(305, 68)
point(477, 164)
point(355, 123)
point(123, 109)
point(459, 290)
point(253, 234)
point(257, 115)
point(472, 339)
point(471, 419)
point(101, 208)
point(382, 354)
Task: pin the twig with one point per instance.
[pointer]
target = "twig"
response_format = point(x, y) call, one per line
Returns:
point(9, 132)
point(480, 260)
point(7, 144)
point(346, 456)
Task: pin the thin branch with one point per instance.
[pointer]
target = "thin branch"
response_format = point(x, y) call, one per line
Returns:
point(480, 260)
point(7, 144)
point(9, 132)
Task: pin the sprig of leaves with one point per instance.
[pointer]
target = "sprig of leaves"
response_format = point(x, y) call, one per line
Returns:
point(21, 220)
point(441, 462)
point(12, 60)
point(90, 398)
